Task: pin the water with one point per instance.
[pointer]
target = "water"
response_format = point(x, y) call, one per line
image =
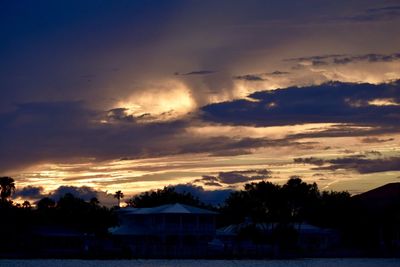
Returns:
point(205, 263)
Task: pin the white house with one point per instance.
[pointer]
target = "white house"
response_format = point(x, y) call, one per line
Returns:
point(173, 230)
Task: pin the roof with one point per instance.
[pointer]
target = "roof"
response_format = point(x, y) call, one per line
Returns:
point(176, 208)
point(387, 191)
point(135, 227)
point(381, 197)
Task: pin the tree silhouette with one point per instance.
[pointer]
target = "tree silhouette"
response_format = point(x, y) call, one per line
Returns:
point(259, 201)
point(268, 202)
point(26, 204)
point(94, 202)
point(119, 195)
point(168, 195)
point(7, 188)
point(46, 203)
point(300, 198)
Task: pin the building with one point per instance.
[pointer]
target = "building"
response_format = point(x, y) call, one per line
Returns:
point(266, 239)
point(173, 230)
point(313, 239)
point(246, 239)
point(59, 241)
point(378, 213)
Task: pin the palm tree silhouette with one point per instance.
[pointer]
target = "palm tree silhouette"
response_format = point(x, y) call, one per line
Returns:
point(118, 195)
point(7, 188)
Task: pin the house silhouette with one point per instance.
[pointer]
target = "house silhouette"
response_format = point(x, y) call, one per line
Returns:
point(172, 230)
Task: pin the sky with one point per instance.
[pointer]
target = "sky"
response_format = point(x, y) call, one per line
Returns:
point(100, 96)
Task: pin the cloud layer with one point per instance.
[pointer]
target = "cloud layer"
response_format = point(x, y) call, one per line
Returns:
point(358, 163)
point(327, 103)
point(133, 94)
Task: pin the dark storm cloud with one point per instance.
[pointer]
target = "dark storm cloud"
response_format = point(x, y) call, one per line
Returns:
point(319, 63)
point(369, 140)
point(69, 131)
point(197, 72)
point(51, 50)
point(212, 184)
point(278, 72)
point(373, 153)
point(84, 192)
point(364, 166)
point(120, 114)
point(250, 77)
point(368, 58)
point(68, 51)
point(384, 9)
point(260, 76)
point(208, 180)
point(333, 102)
point(214, 197)
point(311, 160)
point(358, 163)
point(230, 146)
point(30, 192)
point(63, 131)
point(234, 177)
point(343, 59)
point(37, 132)
point(352, 130)
point(317, 57)
point(376, 14)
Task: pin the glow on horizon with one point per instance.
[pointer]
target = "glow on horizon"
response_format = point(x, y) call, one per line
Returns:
point(137, 175)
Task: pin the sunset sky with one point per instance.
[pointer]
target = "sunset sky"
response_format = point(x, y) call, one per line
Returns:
point(206, 95)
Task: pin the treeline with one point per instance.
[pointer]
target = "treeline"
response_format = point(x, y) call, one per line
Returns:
point(295, 201)
point(20, 225)
point(292, 203)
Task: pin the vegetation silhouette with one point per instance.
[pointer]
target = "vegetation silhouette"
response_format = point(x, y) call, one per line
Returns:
point(159, 197)
point(45, 203)
point(264, 201)
point(119, 195)
point(7, 188)
point(367, 223)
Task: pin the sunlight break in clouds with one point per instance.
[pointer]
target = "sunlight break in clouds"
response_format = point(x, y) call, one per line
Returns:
point(383, 102)
point(163, 101)
point(148, 95)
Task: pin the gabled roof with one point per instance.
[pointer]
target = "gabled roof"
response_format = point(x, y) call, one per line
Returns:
point(381, 197)
point(387, 191)
point(176, 208)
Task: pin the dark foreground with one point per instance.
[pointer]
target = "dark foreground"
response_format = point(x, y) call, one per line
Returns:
point(209, 263)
